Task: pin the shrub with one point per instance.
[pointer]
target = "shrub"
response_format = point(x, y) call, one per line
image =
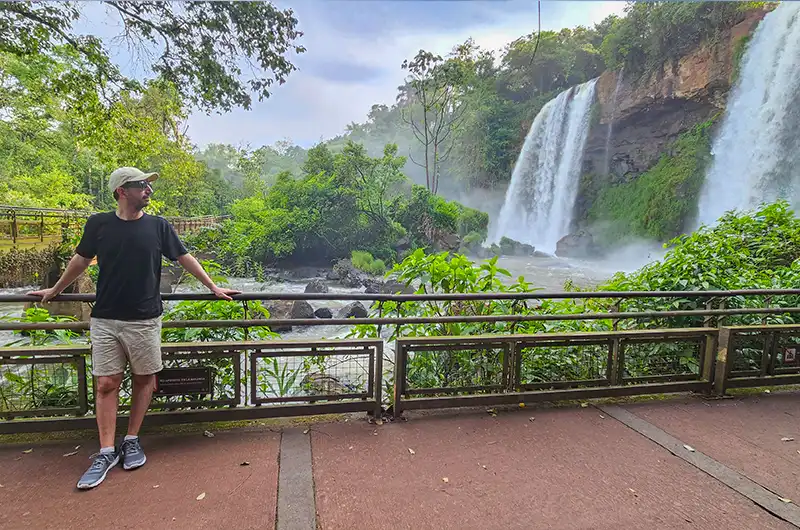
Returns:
point(365, 262)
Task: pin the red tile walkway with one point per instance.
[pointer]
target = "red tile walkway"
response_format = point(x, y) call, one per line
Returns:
point(570, 468)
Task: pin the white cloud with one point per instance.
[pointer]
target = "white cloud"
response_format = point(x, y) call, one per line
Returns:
point(309, 106)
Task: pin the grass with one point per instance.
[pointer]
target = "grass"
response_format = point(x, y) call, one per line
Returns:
point(25, 243)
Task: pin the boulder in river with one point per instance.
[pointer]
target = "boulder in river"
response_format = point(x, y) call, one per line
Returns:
point(316, 286)
point(395, 287)
point(302, 309)
point(373, 286)
point(288, 310)
point(348, 275)
point(356, 309)
point(577, 245)
point(323, 312)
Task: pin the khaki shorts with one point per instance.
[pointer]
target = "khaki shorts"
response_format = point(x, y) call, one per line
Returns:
point(117, 342)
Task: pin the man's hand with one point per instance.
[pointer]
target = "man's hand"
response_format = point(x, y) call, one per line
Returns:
point(224, 293)
point(46, 294)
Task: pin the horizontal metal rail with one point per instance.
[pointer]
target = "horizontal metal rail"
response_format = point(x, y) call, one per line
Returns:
point(269, 322)
point(442, 297)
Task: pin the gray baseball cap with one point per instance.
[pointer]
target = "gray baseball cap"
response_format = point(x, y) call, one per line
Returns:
point(128, 174)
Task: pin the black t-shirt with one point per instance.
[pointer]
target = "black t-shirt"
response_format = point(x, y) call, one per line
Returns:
point(129, 257)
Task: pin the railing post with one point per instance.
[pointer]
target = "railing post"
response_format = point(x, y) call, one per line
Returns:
point(41, 228)
point(378, 382)
point(514, 366)
point(14, 233)
point(617, 365)
point(723, 367)
point(399, 378)
point(710, 350)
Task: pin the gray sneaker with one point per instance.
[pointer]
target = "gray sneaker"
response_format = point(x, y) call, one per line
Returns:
point(132, 454)
point(97, 472)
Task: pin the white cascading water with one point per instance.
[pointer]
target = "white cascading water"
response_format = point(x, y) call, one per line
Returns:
point(757, 151)
point(541, 196)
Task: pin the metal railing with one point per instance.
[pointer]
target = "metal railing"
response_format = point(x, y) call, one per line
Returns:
point(682, 350)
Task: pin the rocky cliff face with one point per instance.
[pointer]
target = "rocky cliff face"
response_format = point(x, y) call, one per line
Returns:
point(649, 112)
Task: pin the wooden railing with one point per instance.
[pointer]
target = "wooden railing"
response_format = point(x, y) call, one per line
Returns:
point(36, 227)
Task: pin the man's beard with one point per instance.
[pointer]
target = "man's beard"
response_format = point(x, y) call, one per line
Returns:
point(140, 204)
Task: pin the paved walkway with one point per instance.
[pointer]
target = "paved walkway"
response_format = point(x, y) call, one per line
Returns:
point(676, 464)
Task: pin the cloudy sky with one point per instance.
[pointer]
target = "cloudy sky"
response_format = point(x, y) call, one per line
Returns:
point(353, 57)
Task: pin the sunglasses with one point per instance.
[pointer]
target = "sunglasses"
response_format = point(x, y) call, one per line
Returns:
point(141, 184)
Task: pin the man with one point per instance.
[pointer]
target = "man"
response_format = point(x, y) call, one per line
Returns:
point(126, 318)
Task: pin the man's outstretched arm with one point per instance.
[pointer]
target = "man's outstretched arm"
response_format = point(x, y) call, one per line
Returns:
point(75, 268)
point(194, 268)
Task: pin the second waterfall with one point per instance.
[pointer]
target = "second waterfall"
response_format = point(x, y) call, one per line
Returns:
point(541, 196)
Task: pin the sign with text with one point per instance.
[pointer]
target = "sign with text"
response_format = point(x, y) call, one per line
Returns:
point(790, 355)
point(183, 381)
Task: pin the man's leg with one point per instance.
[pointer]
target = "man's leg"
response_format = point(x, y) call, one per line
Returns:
point(107, 401)
point(143, 386)
point(142, 342)
point(108, 364)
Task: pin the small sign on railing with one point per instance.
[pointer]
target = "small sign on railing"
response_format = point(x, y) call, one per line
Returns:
point(183, 381)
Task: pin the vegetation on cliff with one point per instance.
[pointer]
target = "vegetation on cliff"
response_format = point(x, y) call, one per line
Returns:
point(658, 203)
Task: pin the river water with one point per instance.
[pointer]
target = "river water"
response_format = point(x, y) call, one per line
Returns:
point(547, 273)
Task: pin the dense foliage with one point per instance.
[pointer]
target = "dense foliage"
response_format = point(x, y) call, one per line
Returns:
point(343, 203)
point(759, 249)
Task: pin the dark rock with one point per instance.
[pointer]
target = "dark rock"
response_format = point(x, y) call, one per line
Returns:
point(286, 310)
point(540, 254)
point(373, 286)
point(301, 309)
point(349, 276)
point(316, 286)
point(333, 274)
point(318, 383)
point(510, 247)
point(395, 287)
point(281, 310)
point(356, 309)
point(577, 245)
point(323, 312)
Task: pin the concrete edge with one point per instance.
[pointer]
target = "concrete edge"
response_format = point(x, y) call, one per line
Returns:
point(296, 506)
point(766, 499)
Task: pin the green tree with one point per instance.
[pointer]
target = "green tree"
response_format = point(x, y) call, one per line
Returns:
point(201, 45)
point(432, 109)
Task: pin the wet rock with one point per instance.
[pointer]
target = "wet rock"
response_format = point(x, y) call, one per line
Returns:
point(349, 276)
point(288, 310)
point(301, 309)
point(395, 287)
point(323, 312)
point(316, 286)
point(577, 245)
point(373, 286)
point(355, 310)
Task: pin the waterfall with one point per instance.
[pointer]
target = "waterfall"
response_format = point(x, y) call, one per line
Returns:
point(541, 196)
point(757, 151)
point(610, 132)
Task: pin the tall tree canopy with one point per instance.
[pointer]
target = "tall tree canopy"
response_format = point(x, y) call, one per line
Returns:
point(202, 48)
